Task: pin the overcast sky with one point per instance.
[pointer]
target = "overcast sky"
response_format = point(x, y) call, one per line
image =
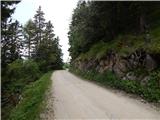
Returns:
point(58, 11)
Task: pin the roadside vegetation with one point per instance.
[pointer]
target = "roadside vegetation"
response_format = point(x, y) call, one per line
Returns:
point(66, 66)
point(31, 103)
point(28, 52)
point(109, 40)
point(149, 92)
point(18, 74)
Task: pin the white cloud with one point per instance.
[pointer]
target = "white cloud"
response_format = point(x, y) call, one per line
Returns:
point(58, 11)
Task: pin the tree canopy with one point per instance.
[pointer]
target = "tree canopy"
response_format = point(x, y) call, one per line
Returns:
point(95, 21)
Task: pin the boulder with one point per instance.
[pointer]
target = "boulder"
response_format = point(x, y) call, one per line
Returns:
point(106, 68)
point(131, 76)
point(102, 63)
point(135, 64)
point(106, 62)
point(118, 73)
point(89, 65)
point(120, 68)
point(97, 68)
point(123, 65)
point(150, 64)
point(132, 57)
point(145, 80)
point(101, 70)
point(117, 70)
point(131, 62)
point(140, 77)
point(124, 78)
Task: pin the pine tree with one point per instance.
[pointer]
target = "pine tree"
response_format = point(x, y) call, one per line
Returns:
point(40, 25)
point(29, 33)
point(48, 33)
point(15, 40)
point(59, 54)
point(7, 10)
point(11, 42)
point(8, 33)
point(40, 41)
point(49, 52)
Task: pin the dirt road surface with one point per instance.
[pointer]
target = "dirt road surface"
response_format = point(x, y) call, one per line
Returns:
point(79, 99)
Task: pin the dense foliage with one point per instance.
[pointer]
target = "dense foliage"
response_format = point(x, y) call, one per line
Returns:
point(94, 22)
point(10, 34)
point(32, 102)
point(27, 52)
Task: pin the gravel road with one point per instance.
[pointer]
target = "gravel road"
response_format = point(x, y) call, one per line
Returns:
point(79, 99)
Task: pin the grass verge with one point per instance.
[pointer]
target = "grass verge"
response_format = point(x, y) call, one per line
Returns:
point(150, 92)
point(30, 106)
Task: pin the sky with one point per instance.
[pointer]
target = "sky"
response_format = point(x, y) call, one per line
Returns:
point(58, 11)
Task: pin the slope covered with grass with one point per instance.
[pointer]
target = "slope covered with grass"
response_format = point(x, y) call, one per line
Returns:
point(31, 105)
point(125, 44)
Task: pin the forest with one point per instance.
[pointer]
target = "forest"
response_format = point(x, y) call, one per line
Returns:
point(27, 52)
point(114, 44)
point(117, 44)
point(96, 22)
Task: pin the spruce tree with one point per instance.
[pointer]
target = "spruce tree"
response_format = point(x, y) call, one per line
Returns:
point(29, 32)
point(39, 21)
point(8, 33)
point(49, 52)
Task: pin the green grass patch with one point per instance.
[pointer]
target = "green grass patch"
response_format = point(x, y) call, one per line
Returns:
point(124, 45)
point(154, 46)
point(97, 51)
point(30, 106)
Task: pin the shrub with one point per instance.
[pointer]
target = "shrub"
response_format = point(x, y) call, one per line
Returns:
point(18, 74)
point(31, 70)
point(152, 89)
point(15, 69)
point(20, 69)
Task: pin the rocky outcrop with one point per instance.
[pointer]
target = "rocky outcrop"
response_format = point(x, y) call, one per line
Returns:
point(122, 66)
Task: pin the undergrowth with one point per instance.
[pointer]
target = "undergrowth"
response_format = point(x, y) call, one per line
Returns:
point(17, 75)
point(30, 106)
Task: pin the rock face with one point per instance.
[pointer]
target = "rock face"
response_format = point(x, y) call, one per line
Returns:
point(122, 66)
